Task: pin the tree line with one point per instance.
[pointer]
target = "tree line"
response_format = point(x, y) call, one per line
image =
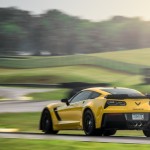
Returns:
point(60, 34)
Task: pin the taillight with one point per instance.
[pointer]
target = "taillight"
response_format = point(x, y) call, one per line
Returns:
point(115, 103)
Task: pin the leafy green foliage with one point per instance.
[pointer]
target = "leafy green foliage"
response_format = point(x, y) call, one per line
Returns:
point(60, 34)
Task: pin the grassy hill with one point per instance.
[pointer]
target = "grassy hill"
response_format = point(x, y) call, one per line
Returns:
point(127, 61)
point(63, 74)
point(139, 56)
point(117, 68)
point(78, 73)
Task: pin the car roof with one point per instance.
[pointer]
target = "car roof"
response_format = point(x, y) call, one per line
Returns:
point(102, 89)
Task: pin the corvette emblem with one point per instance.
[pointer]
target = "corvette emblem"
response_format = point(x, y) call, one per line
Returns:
point(138, 103)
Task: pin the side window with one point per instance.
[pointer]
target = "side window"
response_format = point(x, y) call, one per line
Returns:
point(94, 95)
point(81, 96)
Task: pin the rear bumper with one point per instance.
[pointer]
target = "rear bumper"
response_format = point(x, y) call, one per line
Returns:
point(124, 121)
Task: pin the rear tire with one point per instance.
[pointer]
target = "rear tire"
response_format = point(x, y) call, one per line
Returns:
point(47, 124)
point(89, 124)
point(146, 133)
point(98, 132)
point(109, 132)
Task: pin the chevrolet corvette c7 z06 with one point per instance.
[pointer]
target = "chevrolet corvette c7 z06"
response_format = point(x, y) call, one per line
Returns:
point(99, 111)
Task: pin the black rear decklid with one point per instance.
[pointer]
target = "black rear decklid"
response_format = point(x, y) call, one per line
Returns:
point(117, 96)
point(124, 96)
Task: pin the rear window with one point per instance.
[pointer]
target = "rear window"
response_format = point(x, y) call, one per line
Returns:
point(129, 92)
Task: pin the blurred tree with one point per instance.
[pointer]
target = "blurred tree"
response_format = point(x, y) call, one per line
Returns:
point(61, 34)
point(14, 30)
point(131, 34)
point(11, 36)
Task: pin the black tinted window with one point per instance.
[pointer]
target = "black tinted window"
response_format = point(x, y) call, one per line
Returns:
point(94, 95)
point(129, 92)
point(81, 96)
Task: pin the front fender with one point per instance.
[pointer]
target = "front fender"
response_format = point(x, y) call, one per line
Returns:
point(51, 108)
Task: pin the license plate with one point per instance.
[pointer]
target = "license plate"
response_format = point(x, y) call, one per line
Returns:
point(137, 116)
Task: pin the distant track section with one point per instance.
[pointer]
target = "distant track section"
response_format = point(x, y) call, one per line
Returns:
point(23, 106)
point(31, 85)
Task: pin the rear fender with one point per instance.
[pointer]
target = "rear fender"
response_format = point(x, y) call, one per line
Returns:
point(97, 111)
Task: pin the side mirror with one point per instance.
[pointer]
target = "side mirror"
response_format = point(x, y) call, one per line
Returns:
point(65, 101)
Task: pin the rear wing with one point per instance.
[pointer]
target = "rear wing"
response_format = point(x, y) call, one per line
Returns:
point(126, 96)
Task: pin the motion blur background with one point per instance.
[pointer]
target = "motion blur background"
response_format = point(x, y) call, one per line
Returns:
point(53, 42)
point(49, 47)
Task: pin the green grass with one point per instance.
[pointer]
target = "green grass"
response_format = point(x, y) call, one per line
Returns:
point(38, 62)
point(82, 73)
point(140, 56)
point(127, 61)
point(53, 95)
point(89, 74)
point(29, 122)
point(21, 121)
point(24, 144)
point(63, 74)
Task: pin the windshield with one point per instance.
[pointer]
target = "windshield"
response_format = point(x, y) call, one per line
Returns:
point(129, 92)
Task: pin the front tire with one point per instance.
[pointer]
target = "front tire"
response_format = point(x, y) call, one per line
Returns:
point(146, 133)
point(47, 124)
point(89, 124)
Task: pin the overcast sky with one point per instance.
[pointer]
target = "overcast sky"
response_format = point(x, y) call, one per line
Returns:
point(89, 9)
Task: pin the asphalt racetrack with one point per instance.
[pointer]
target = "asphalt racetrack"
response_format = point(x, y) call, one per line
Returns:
point(23, 106)
point(83, 138)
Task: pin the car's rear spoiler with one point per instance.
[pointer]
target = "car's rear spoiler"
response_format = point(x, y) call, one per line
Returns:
point(125, 96)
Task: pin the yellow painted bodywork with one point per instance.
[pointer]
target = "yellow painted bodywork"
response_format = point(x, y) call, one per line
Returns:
point(71, 115)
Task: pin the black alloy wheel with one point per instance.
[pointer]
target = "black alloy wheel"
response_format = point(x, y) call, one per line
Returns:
point(47, 123)
point(89, 124)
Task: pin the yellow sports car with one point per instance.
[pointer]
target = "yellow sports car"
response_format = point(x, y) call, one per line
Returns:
point(99, 111)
